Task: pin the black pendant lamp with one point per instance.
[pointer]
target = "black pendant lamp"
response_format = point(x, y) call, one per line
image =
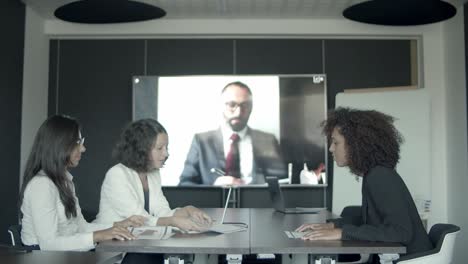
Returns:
point(400, 12)
point(108, 11)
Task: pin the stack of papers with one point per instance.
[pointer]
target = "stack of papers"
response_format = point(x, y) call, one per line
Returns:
point(152, 232)
point(226, 228)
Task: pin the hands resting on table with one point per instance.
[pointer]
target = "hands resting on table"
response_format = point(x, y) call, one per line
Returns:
point(120, 230)
point(190, 218)
point(320, 231)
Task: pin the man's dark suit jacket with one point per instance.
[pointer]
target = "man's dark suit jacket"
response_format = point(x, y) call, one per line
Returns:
point(388, 213)
point(207, 152)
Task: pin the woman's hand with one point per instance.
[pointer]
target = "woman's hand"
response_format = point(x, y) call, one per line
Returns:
point(198, 216)
point(313, 227)
point(185, 224)
point(115, 232)
point(228, 181)
point(134, 220)
point(324, 234)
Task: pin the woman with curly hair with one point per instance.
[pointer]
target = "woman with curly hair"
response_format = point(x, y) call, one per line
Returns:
point(133, 186)
point(369, 145)
point(51, 214)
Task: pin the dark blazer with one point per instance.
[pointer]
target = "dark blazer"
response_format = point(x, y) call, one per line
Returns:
point(388, 213)
point(207, 152)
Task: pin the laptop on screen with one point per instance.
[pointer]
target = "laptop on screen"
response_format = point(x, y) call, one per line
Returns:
point(278, 201)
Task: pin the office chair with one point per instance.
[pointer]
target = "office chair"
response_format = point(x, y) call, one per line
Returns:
point(442, 237)
point(15, 235)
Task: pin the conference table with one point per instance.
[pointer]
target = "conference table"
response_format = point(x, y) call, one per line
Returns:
point(10, 256)
point(265, 235)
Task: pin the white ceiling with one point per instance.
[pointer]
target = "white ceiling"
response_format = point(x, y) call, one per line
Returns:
point(261, 9)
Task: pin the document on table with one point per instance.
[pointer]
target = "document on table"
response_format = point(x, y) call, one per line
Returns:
point(152, 232)
point(227, 228)
point(218, 228)
point(293, 234)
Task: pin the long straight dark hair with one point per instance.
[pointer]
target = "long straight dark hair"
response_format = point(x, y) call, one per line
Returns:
point(54, 142)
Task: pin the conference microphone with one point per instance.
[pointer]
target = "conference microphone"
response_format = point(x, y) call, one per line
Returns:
point(220, 172)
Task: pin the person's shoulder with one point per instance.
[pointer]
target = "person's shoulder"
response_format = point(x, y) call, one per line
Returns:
point(207, 133)
point(201, 136)
point(40, 182)
point(260, 133)
point(381, 174)
point(118, 171)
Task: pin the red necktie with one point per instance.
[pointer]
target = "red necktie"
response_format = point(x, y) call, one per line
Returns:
point(232, 158)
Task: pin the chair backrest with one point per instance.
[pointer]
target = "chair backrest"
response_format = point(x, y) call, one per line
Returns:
point(443, 238)
point(15, 235)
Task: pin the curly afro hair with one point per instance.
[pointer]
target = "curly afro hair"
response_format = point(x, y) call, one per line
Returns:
point(370, 136)
point(135, 144)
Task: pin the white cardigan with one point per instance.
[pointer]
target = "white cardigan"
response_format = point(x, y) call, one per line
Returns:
point(44, 222)
point(122, 196)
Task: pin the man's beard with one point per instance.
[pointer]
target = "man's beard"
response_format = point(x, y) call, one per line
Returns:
point(238, 126)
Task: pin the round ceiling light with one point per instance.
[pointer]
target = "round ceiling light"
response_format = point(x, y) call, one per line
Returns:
point(108, 11)
point(400, 12)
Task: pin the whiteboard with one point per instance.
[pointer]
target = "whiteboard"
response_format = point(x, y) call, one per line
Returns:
point(411, 110)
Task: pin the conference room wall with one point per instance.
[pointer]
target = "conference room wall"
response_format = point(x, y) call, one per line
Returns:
point(457, 29)
point(93, 79)
point(12, 17)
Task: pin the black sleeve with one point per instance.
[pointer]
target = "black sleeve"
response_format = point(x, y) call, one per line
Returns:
point(191, 173)
point(387, 191)
point(340, 222)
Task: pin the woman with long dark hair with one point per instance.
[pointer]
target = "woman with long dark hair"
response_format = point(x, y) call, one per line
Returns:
point(368, 143)
point(51, 214)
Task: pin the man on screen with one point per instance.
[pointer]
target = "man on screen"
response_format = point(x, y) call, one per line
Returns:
point(234, 154)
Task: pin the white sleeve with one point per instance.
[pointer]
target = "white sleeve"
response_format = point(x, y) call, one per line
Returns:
point(118, 194)
point(44, 197)
point(84, 225)
point(162, 208)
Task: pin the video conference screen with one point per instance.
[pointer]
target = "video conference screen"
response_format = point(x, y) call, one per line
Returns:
point(290, 107)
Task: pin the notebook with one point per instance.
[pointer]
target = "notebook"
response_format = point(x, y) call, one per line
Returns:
point(278, 202)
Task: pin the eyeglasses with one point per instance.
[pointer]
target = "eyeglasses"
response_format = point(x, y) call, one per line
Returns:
point(232, 106)
point(80, 141)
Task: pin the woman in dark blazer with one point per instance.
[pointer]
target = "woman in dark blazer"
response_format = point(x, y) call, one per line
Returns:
point(369, 145)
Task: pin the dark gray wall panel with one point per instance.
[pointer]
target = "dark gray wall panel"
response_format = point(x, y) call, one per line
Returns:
point(167, 57)
point(12, 19)
point(95, 87)
point(278, 56)
point(53, 77)
point(366, 64)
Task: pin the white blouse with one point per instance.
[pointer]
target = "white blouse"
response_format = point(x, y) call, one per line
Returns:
point(122, 196)
point(44, 222)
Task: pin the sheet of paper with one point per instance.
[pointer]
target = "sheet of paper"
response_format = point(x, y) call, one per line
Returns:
point(293, 234)
point(219, 228)
point(152, 232)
